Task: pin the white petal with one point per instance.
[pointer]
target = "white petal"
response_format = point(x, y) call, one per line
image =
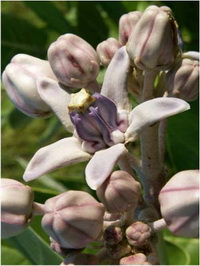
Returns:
point(57, 99)
point(152, 111)
point(115, 81)
point(101, 165)
point(59, 154)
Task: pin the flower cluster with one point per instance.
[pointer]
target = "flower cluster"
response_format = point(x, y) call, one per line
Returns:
point(103, 124)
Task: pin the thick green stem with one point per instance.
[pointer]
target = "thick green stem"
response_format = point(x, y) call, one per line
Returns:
point(152, 170)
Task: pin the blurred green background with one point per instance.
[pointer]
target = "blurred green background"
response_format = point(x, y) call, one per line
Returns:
point(30, 27)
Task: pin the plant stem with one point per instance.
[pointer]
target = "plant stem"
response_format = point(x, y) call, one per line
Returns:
point(38, 208)
point(151, 173)
point(158, 225)
point(162, 140)
point(124, 165)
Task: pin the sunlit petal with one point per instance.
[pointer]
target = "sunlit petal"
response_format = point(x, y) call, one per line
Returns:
point(101, 165)
point(152, 111)
point(57, 99)
point(57, 155)
point(115, 82)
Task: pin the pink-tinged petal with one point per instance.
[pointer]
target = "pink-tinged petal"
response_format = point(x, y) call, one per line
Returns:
point(57, 99)
point(152, 111)
point(115, 82)
point(57, 155)
point(101, 165)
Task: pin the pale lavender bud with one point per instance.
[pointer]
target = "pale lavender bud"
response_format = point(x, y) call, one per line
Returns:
point(137, 259)
point(16, 207)
point(81, 259)
point(192, 55)
point(120, 192)
point(182, 80)
point(138, 233)
point(96, 120)
point(153, 43)
point(113, 235)
point(74, 61)
point(20, 82)
point(107, 49)
point(179, 203)
point(127, 24)
point(73, 219)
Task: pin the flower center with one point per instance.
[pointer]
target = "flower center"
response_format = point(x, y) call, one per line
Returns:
point(80, 101)
point(95, 119)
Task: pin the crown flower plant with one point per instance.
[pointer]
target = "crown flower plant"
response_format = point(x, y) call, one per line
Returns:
point(148, 78)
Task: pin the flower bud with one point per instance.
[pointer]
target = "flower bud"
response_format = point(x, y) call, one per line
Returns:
point(179, 203)
point(107, 49)
point(137, 259)
point(127, 24)
point(19, 79)
point(73, 219)
point(182, 80)
point(138, 233)
point(153, 43)
point(16, 207)
point(74, 61)
point(119, 192)
point(113, 235)
point(192, 55)
point(80, 259)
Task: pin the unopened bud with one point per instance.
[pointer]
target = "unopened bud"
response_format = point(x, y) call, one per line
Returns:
point(120, 192)
point(80, 259)
point(107, 49)
point(20, 81)
point(73, 219)
point(113, 235)
point(127, 24)
point(138, 233)
point(153, 43)
point(179, 203)
point(74, 61)
point(16, 207)
point(182, 80)
point(192, 55)
point(137, 259)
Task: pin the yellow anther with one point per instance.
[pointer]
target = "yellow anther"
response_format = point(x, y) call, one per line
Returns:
point(80, 101)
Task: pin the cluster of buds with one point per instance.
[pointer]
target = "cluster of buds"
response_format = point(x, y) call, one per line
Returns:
point(103, 123)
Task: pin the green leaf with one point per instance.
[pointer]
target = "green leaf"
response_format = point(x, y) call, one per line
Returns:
point(10, 256)
point(35, 249)
point(114, 10)
point(175, 254)
point(182, 139)
point(19, 36)
point(189, 245)
point(91, 25)
point(50, 14)
point(18, 120)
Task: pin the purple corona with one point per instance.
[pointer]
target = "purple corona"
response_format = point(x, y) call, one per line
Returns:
point(95, 119)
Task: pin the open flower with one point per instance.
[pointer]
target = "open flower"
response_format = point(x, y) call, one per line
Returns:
point(101, 123)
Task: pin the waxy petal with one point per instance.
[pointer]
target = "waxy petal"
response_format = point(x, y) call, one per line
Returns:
point(59, 154)
point(152, 111)
point(101, 165)
point(57, 99)
point(115, 82)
